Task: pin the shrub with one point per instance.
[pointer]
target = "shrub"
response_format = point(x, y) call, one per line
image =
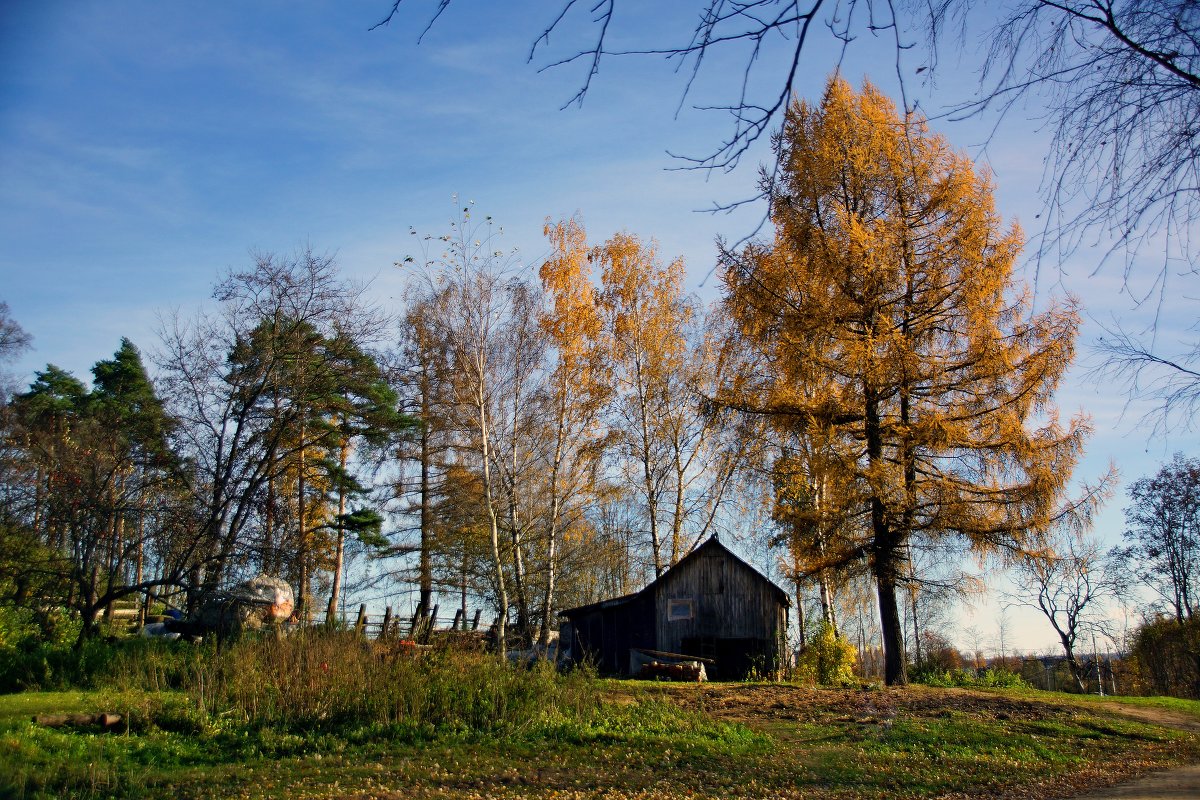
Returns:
point(35, 664)
point(1168, 656)
point(17, 628)
point(828, 659)
point(938, 654)
point(1000, 678)
point(38, 651)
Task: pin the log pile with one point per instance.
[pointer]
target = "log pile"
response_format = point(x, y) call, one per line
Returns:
point(692, 672)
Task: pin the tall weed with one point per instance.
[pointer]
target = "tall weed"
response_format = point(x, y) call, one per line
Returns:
point(335, 679)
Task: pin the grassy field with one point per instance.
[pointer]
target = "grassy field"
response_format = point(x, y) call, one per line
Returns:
point(641, 740)
point(1176, 705)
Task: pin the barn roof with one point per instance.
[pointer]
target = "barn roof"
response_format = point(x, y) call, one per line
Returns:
point(710, 543)
point(714, 542)
point(610, 603)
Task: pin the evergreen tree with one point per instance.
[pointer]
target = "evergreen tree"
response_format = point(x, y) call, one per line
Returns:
point(102, 471)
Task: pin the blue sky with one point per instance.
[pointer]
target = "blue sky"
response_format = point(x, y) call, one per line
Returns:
point(145, 147)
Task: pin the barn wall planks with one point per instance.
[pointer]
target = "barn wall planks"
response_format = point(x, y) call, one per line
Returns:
point(710, 604)
point(730, 601)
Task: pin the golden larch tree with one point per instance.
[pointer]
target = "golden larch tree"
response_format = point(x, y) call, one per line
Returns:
point(885, 317)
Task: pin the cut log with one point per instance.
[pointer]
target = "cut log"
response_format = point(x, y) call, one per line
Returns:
point(105, 720)
point(693, 672)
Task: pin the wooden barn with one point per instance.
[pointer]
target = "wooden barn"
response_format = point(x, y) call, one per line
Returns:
point(711, 604)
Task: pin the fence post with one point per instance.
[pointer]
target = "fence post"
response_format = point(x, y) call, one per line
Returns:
point(458, 612)
point(412, 625)
point(387, 623)
point(360, 624)
point(430, 624)
point(475, 624)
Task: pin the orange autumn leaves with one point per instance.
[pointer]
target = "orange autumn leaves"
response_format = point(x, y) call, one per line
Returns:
point(637, 343)
point(873, 368)
point(888, 328)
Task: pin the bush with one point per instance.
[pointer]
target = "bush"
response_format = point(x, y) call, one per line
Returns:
point(938, 654)
point(1168, 656)
point(50, 667)
point(1000, 678)
point(38, 652)
point(827, 660)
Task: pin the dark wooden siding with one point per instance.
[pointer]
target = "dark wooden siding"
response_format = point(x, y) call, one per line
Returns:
point(604, 635)
point(735, 615)
point(731, 604)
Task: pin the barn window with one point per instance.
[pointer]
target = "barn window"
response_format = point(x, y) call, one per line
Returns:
point(679, 609)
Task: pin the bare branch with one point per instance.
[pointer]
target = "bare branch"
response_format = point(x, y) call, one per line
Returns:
point(1171, 385)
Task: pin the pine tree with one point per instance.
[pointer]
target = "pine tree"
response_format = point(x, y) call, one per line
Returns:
point(363, 410)
point(101, 466)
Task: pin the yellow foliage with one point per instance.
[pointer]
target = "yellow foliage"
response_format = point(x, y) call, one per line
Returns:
point(892, 338)
point(573, 322)
point(828, 659)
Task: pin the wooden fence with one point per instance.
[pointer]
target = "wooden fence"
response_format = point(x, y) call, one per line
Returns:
point(374, 626)
point(416, 627)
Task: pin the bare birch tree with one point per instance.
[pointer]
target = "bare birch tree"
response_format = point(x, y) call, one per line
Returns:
point(472, 289)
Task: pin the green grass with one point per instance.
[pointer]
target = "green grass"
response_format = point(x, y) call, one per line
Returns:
point(174, 761)
point(935, 756)
point(929, 757)
point(469, 727)
point(641, 743)
point(1189, 708)
point(1178, 705)
point(23, 706)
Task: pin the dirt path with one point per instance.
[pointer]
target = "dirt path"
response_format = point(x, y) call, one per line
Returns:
point(1182, 783)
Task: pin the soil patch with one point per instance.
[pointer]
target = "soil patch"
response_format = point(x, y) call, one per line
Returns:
point(1182, 782)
